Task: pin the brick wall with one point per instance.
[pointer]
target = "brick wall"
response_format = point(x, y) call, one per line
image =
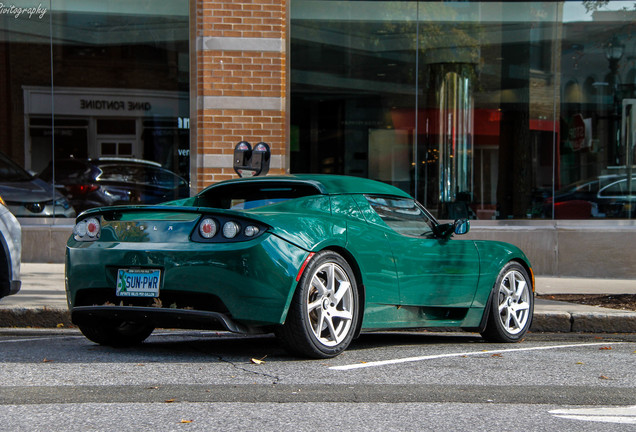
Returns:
point(238, 84)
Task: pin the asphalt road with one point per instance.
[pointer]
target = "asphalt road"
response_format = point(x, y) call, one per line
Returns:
point(188, 380)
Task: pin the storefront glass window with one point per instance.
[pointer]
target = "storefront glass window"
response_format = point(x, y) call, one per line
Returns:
point(91, 79)
point(488, 110)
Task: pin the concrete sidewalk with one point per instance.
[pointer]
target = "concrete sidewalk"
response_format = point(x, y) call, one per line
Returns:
point(42, 303)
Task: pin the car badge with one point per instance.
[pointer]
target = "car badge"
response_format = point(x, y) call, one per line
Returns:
point(154, 228)
point(141, 227)
point(170, 228)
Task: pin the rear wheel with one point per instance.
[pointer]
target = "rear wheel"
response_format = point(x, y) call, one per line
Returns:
point(323, 315)
point(512, 305)
point(118, 335)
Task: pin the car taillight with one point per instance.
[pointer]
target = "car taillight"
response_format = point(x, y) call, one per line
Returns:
point(207, 228)
point(230, 229)
point(87, 230)
point(222, 229)
point(81, 189)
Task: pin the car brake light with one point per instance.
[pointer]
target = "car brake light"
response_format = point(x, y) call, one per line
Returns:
point(207, 228)
point(81, 189)
point(87, 230)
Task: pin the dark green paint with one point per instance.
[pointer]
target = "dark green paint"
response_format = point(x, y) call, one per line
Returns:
point(407, 281)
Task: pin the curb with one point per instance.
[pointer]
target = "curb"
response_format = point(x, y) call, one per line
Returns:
point(543, 322)
point(35, 317)
point(587, 322)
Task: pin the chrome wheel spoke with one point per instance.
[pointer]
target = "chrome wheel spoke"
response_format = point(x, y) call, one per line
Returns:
point(311, 306)
point(521, 286)
point(332, 330)
point(517, 323)
point(330, 278)
point(319, 286)
point(342, 314)
point(343, 289)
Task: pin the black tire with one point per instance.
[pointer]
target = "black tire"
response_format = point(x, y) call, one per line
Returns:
point(124, 334)
point(511, 305)
point(323, 315)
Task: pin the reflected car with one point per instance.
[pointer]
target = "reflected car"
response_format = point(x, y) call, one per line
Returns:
point(315, 259)
point(29, 196)
point(608, 196)
point(10, 252)
point(114, 181)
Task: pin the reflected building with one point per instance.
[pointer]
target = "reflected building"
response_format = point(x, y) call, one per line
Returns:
point(512, 114)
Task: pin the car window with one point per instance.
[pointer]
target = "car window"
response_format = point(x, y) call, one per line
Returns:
point(405, 216)
point(245, 196)
point(67, 171)
point(619, 189)
point(10, 171)
point(615, 189)
point(163, 178)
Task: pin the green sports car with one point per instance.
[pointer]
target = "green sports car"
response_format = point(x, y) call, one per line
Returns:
point(316, 259)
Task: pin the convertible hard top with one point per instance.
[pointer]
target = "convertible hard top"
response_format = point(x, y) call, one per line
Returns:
point(326, 184)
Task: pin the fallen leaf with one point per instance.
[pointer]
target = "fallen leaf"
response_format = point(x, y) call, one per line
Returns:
point(45, 360)
point(169, 400)
point(258, 361)
point(156, 302)
point(186, 421)
point(580, 363)
point(152, 388)
point(60, 325)
point(497, 355)
point(605, 348)
point(603, 377)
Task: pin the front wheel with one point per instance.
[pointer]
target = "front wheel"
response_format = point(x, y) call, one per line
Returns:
point(511, 307)
point(323, 315)
point(117, 335)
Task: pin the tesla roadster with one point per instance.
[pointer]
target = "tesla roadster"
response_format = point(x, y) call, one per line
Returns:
point(315, 259)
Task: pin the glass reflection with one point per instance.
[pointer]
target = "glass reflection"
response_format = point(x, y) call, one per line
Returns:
point(92, 79)
point(493, 110)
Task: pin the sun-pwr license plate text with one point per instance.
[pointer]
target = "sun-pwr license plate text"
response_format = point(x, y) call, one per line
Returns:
point(138, 283)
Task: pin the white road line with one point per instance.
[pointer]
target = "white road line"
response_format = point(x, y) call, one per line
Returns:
point(38, 338)
point(463, 354)
point(622, 415)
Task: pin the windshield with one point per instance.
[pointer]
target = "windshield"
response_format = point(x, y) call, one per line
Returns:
point(11, 172)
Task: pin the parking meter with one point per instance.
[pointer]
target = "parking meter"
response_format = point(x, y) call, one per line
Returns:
point(242, 158)
point(250, 162)
point(260, 159)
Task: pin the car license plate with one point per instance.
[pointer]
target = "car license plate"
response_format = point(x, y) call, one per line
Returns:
point(138, 282)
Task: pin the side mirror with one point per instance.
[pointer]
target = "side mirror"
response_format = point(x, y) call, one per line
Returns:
point(462, 226)
point(445, 231)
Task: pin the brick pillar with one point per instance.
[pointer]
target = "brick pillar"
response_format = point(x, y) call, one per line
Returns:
point(238, 84)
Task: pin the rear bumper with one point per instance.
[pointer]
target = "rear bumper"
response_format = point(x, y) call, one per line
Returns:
point(250, 283)
point(156, 317)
